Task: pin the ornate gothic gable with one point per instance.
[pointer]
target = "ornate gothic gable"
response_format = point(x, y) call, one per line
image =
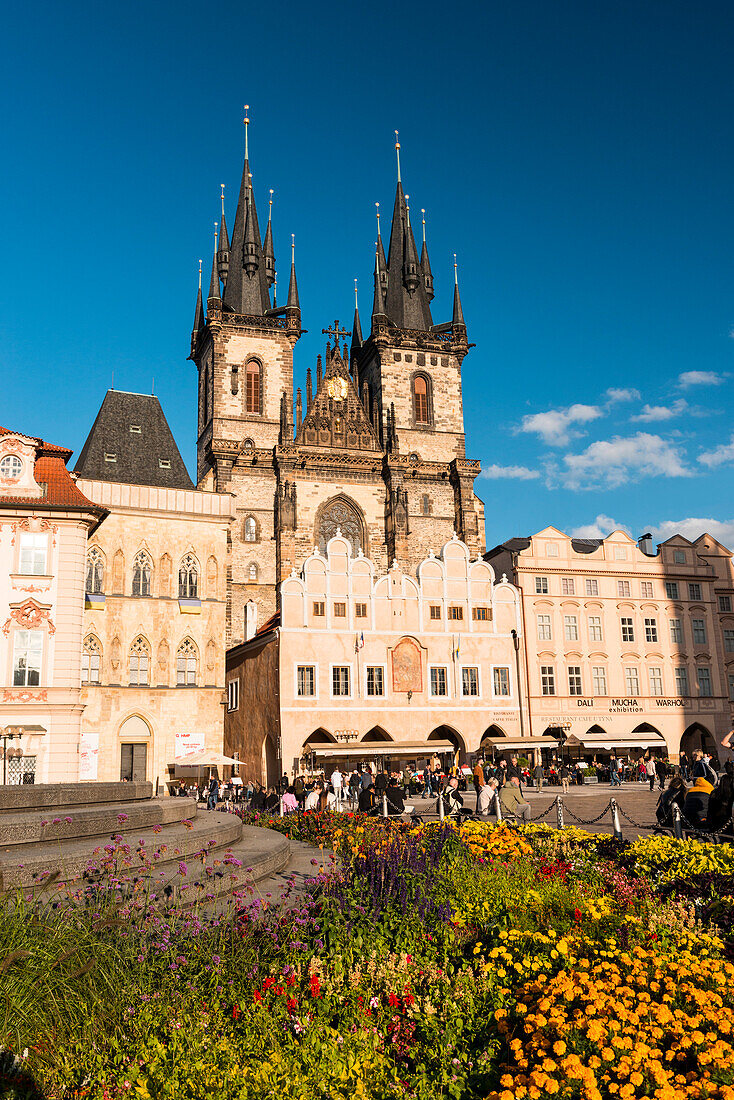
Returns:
point(336, 417)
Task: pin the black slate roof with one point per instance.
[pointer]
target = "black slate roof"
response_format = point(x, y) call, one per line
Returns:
point(148, 456)
point(586, 546)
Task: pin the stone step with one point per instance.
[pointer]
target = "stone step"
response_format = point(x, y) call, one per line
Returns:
point(236, 875)
point(93, 820)
point(62, 796)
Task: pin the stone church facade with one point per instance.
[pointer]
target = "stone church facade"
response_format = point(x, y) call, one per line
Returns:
point(375, 448)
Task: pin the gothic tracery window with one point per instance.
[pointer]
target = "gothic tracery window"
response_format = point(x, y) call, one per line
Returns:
point(95, 571)
point(340, 516)
point(139, 662)
point(250, 529)
point(188, 579)
point(142, 572)
point(91, 658)
point(187, 660)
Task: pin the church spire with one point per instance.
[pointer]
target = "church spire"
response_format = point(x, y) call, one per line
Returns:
point(198, 315)
point(378, 302)
point(406, 302)
point(223, 253)
point(246, 291)
point(356, 326)
point(457, 322)
point(268, 250)
point(214, 295)
point(293, 308)
point(426, 263)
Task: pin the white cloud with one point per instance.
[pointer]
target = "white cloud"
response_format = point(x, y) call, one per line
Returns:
point(652, 413)
point(613, 394)
point(723, 530)
point(522, 473)
point(700, 378)
point(719, 456)
point(600, 528)
point(619, 461)
point(554, 426)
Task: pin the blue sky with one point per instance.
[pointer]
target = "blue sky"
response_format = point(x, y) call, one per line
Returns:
point(577, 156)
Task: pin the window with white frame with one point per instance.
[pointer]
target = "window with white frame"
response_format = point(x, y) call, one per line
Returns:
point(95, 571)
point(481, 614)
point(91, 657)
point(541, 586)
point(33, 552)
point(694, 591)
point(340, 609)
point(656, 680)
point(233, 695)
point(679, 557)
point(470, 681)
point(651, 630)
point(142, 572)
point(729, 641)
point(574, 680)
point(592, 586)
point(360, 610)
point(139, 659)
point(188, 578)
point(340, 680)
point(568, 586)
point(671, 590)
point(699, 631)
point(306, 681)
point(187, 659)
point(435, 611)
point(27, 655)
point(10, 467)
point(646, 590)
point(250, 529)
point(375, 680)
point(501, 681)
point(599, 679)
point(438, 681)
point(676, 631)
point(595, 631)
point(570, 628)
point(724, 603)
point(547, 680)
point(703, 675)
point(545, 633)
point(628, 630)
point(632, 681)
point(681, 680)
point(623, 588)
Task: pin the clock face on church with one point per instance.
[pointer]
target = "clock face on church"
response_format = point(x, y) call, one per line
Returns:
point(337, 388)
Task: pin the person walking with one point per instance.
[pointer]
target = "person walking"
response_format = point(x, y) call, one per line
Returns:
point(354, 785)
point(213, 795)
point(478, 780)
point(539, 775)
point(614, 777)
point(564, 773)
point(426, 782)
point(661, 770)
point(336, 782)
point(650, 771)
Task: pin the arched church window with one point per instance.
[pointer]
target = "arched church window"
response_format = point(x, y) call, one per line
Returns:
point(420, 399)
point(250, 529)
point(91, 658)
point(340, 515)
point(95, 571)
point(139, 662)
point(253, 392)
point(187, 661)
point(142, 572)
point(188, 578)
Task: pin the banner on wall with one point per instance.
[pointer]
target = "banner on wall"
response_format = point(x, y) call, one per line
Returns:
point(188, 743)
point(88, 756)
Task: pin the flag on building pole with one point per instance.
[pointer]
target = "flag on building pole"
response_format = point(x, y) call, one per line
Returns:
point(359, 643)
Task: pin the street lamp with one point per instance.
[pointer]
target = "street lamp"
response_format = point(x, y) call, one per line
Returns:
point(8, 734)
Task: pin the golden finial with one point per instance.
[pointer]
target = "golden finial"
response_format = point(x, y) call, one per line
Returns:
point(456, 271)
point(423, 215)
point(270, 210)
point(215, 236)
point(397, 151)
point(377, 207)
point(293, 248)
point(199, 274)
point(407, 207)
point(222, 186)
point(356, 304)
point(246, 121)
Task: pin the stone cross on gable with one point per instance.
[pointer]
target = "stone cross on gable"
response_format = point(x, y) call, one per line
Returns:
point(336, 332)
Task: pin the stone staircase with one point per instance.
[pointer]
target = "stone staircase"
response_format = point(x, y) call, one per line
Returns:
point(54, 838)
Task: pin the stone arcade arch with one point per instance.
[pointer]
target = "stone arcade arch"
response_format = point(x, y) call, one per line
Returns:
point(699, 738)
point(448, 733)
point(377, 733)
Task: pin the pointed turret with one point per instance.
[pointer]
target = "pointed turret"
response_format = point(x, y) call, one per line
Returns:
point(426, 263)
point(457, 321)
point(292, 307)
point(406, 303)
point(246, 290)
point(198, 315)
point(309, 389)
point(378, 302)
point(381, 255)
point(268, 250)
point(214, 299)
point(223, 253)
point(356, 326)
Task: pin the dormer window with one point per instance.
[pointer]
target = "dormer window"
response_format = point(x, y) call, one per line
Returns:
point(164, 463)
point(10, 467)
point(110, 457)
point(136, 429)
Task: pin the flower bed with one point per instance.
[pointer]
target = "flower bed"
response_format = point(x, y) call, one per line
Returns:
point(429, 961)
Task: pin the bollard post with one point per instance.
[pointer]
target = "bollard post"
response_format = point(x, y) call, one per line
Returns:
point(498, 806)
point(559, 811)
point(677, 823)
point(440, 805)
point(615, 819)
point(280, 805)
point(384, 804)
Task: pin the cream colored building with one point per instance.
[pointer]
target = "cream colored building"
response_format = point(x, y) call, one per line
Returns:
point(360, 665)
point(623, 642)
point(44, 523)
point(153, 649)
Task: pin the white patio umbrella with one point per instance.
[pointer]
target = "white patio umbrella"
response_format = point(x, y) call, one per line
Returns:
point(204, 759)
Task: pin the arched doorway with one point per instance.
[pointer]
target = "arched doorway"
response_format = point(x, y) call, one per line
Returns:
point(343, 515)
point(135, 736)
point(485, 747)
point(447, 733)
point(698, 739)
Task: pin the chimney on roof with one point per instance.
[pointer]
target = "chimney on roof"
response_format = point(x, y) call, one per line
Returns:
point(645, 544)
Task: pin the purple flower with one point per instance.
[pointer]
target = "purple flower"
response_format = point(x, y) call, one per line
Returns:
point(67, 820)
point(56, 821)
point(44, 823)
point(121, 818)
point(182, 868)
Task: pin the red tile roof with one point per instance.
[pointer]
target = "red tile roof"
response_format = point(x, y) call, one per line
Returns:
point(50, 470)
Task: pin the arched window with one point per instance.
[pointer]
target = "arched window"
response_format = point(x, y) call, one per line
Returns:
point(139, 662)
point(252, 571)
point(95, 571)
point(426, 504)
point(250, 529)
point(340, 515)
point(420, 399)
point(253, 389)
point(91, 658)
point(142, 572)
point(188, 579)
point(187, 660)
